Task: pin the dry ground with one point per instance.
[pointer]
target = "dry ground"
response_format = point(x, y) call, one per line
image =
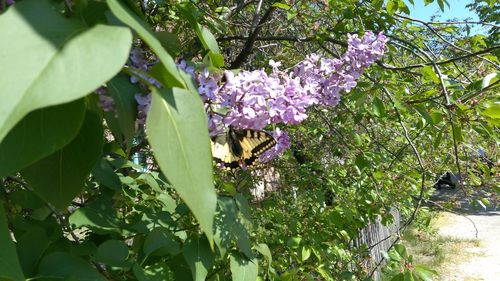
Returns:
point(477, 235)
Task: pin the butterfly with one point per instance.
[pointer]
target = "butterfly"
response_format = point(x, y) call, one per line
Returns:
point(240, 147)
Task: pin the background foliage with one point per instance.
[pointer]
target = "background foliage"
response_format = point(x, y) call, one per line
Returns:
point(90, 194)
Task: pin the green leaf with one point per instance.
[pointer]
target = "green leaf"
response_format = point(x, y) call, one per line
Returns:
point(457, 132)
point(10, 268)
point(394, 255)
point(437, 117)
point(243, 206)
point(398, 277)
point(159, 271)
point(264, 250)
point(104, 174)
point(217, 59)
point(425, 273)
point(401, 250)
point(99, 216)
point(305, 253)
point(65, 266)
point(281, 6)
point(199, 257)
point(243, 269)
point(161, 242)
point(423, 112)
point(112, 253)
point(177, 131)
point(65, 61)
point(124, 14)
point(483, 83)
point(170, 42)
point(429, 74)
point(30, 247)
point(59, 177)
point(438, 139)
point(361, 162)
point(378, 107)
point(294, 242)
point(39, 134)
point(122, 121)
point(229, 227)
point(403, 7)
point(493, 111)
point(206, 37)
point(391, 6)
point(26, 199)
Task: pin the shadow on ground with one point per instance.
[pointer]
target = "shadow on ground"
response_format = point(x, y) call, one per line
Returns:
point(468, 200)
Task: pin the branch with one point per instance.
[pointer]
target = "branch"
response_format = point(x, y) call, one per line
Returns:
point(417, 155)
point(485, 89)
point(284, 38)
point(445, 40)
point(453, 22)
point(247, 49)
point(487, 50)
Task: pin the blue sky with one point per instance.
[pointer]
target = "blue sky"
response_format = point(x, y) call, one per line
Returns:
point(456, 10)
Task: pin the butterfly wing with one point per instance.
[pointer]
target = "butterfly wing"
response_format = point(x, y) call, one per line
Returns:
point(253, 144)
point(239, 148)
point(222, 152)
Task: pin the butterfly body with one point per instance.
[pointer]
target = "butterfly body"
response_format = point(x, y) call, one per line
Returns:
point(240, 147)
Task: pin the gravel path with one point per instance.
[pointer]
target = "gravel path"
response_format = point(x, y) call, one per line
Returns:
point(485, 261)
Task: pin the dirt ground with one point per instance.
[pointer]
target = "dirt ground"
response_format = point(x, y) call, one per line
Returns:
point(481, 262)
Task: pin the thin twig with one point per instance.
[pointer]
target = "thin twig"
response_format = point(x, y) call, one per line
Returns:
point(417, 155)
point(447, 41)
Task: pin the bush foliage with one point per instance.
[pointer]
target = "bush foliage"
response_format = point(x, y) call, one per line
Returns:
point(92, 189)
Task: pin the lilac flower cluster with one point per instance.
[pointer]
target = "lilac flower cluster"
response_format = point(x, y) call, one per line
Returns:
point(255, 99)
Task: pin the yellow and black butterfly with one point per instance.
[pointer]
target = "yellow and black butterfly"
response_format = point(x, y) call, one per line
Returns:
point(240, 147)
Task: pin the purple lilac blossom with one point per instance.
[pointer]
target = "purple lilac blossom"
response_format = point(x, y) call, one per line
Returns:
point(254, 99)
point(105, 102)
point(143, 105)
point(137, 60)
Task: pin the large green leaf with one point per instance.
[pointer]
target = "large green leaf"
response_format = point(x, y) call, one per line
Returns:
point(98, 216)
point(229, 227)
point(39, 134)
point(124, 14)
point(243, 269)
point(199, 256)
point(206, 37)
point(160, 242)
point(113, 253)
point(30, 247)
point(48, 59)
point(59, 177)
point(64, 266)
point(105, 175)
point(177, 131)
point(122, 122)
point(10, 269)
